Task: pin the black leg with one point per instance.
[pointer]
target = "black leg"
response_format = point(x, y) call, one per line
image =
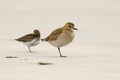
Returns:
point(60, 52)
point(29, 49)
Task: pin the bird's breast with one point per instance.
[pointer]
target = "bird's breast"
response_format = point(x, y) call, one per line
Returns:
point(63, 39)
point(34, 42)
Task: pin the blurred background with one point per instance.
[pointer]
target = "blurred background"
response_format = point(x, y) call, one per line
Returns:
point(95, 51)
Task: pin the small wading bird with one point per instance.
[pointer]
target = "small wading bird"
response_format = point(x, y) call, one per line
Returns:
point(61, 36)
point(30, 39)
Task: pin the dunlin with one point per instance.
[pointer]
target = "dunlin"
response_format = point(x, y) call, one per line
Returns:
point(30, 39)
point(61, 36)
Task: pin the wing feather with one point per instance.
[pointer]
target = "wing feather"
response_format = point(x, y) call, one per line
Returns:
point(26, 38)
point(54, 35)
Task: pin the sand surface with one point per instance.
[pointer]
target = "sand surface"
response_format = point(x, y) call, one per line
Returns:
point(93, 55)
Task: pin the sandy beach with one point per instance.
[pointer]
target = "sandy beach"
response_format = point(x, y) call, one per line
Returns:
point(93, 55)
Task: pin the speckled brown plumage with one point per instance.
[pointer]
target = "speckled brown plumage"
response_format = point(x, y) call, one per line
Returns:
point(30, 39)
point(61, 36)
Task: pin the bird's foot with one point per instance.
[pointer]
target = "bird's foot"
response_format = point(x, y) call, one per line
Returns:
point(63, 56)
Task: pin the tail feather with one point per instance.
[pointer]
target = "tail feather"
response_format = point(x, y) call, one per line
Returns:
point(43, 40)
point(16, 39)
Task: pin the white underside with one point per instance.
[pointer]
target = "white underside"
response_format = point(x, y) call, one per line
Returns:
point(62, 40)
point(32, 43)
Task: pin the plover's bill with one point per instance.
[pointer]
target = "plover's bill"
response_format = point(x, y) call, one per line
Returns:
point(61, 36)
point(30, 39)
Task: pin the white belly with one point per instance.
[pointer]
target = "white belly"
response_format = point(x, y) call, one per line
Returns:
point(32, 43)
point(62, 40)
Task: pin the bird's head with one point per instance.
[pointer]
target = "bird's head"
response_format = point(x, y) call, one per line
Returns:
point(70, 26)
point(37, 32)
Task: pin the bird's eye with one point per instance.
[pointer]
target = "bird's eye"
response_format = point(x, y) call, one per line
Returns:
point(69, 26)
